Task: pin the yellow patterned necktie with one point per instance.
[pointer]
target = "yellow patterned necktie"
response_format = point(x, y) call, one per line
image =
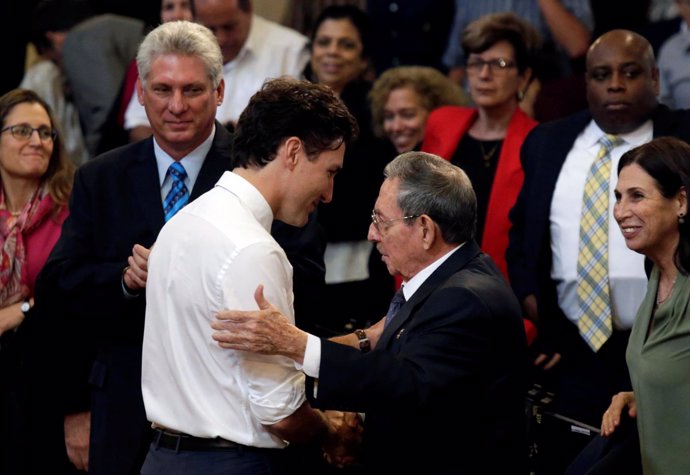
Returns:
point(593, 295)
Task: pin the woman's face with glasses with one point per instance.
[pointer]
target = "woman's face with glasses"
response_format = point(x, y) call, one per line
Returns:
point(26, 142)
point(493, 77)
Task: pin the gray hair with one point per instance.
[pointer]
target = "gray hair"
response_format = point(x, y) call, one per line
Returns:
point(433, 186)
point(181, 37)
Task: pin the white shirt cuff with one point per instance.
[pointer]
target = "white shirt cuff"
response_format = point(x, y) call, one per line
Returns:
point(312, 357)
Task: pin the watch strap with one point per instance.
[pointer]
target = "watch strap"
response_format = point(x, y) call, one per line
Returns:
point(364, 343)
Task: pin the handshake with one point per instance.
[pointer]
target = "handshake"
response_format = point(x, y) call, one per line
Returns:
point(342, 445)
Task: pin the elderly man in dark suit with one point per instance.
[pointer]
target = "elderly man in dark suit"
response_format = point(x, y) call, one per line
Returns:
point(547, 254)
point(442, 387)
point(94, 281)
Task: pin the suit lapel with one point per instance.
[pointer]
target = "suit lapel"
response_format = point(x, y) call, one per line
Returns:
point(144, 183)
point(552, 154)
point(451, 266)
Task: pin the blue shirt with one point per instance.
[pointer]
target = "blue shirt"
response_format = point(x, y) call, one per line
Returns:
point(674, 70)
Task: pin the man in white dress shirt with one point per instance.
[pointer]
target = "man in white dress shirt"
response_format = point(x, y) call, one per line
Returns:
point(226, 411)
point(254, 49)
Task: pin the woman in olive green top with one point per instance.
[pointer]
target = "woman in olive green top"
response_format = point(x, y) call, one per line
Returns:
point(651, 211)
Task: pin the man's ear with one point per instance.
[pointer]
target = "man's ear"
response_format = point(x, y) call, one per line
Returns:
point(220, 92)
point(429, 231)
point(291, 149)
point(140, 91)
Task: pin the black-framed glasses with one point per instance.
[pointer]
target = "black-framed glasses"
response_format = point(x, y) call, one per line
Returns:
point(382, 225)
point(476, 65)
point(24, 132)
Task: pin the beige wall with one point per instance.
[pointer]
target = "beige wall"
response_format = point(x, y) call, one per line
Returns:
point(276, 10)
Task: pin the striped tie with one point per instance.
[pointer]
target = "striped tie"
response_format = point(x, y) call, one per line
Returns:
point(178, 194)
point(593, 258)
point(397, 302)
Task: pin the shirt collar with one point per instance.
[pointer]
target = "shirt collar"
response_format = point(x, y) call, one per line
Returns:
point(249, 196)
point(593, 133)
point(191, 162)
point(412, 285)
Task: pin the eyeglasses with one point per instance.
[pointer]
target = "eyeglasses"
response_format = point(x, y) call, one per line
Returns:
point(24, 132)
point(383, 225)
point(499, 64)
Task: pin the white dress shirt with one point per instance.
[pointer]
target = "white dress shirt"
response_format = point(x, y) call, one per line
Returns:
point(627, 278)
point(271, 51)
point(209, 257)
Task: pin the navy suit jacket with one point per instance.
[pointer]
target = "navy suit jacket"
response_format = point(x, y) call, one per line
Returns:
point(116, 203)
point(443, 391)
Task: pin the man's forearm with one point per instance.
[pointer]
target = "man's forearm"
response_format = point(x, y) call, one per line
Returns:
point(568, 31)
point(302, 426)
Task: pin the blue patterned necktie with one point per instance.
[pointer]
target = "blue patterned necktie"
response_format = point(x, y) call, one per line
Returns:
point(396, 303)
point(593, 294)
point(178, 196)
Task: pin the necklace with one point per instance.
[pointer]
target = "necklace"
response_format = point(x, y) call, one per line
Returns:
point(487, 156)
point(660, 300)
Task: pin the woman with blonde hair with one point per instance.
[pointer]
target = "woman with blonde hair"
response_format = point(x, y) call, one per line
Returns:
point(402, 99)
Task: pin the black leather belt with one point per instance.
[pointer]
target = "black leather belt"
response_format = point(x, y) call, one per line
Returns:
point(184, 442)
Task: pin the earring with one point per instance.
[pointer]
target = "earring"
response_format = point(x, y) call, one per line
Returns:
point(520, 95)
point(681, 218)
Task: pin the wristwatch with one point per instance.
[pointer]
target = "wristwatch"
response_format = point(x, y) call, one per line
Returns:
point(364, 343)
point(25, 307)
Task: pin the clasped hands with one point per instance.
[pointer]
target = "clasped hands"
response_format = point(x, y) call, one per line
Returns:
point(137, 270)
point(344, 439)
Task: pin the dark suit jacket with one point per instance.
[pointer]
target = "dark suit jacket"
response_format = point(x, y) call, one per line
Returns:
point(529, 251)
point(116, 203)
point(443, 390)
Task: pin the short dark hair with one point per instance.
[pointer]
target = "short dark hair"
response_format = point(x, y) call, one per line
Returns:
point(355, 15)
point(286, 107)
point(56, 15)
point(667, 161)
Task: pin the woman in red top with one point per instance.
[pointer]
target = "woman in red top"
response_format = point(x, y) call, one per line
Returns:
point(485, 141)
point(35, 184)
